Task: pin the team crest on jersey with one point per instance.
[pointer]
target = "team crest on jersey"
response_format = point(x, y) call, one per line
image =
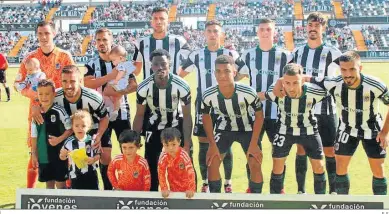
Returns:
point(216, 109)
point(366, 98)
point(281, 102)
point(323, 57)
point(278, 59)
point(53, 118)
point(171, 45)
point(252, 59)
point(88, 149)
point(201, 59)
point(57, 66)
point(174, 98)
point(385, 97)
point(181, 165)
point(242, 105)
point(309, 105)
point(147, 46)
point(135, 174)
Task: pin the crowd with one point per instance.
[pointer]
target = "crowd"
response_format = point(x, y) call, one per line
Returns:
point(22, 14)
point(368, 34)
point(200, 7)
point(7, 41)
point(360, 8)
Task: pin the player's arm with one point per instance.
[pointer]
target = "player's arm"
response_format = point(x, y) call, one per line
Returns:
point(140, 109)
point(333, 67)
point(188, 66)
point(242, 68)
point(102, 114)
point(162, 166)
point(90, 81)
point(131, 87)
point(213, 151)
point(254, 149)
point(146, 177)
point(138, 60)
point(64, 152)
point(382, 136)
point(187, 120)
point(112, 167)
point(269, 95)
point(191, 174)
point(34, 149)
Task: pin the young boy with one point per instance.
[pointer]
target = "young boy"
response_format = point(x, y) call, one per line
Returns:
point(129, 171)
point(177, 163)
point(86, 177)
point(118, 56)
point(47, 139)
point(34, 74)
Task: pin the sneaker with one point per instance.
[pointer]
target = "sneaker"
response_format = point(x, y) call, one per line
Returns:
point(227, 188)
point(205, 188)
point(301, 193)
point(248, 190)
point(9, 99)
point(333, 193)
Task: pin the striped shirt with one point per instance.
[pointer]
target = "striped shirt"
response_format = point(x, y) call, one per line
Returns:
point(295, 114)
point(174, 44)
point(358, 108)
point(265, 67)
point(97, 67)
point(203, 62)
point(90, 100)
point(236, 113)
point(71, 144)
point(319, 62)
point(165, 104)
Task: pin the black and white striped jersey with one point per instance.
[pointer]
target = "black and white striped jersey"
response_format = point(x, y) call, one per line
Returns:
point(265, 67)
point(319, 62)
point(357, 108)
point(176, 45)
point(90, 100)
point(233, 114)
point(296, 116)
point(71, 144)
point(97, 67)
point(165, 104)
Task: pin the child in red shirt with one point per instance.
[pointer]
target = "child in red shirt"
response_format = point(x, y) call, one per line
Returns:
point(129, 171)
point(177, 163)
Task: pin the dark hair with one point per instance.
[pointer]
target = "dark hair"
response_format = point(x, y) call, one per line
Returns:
point(349, 56)
point(224, 59)
point(45, 23)
point(213, 22)
point(159, 9)
point(293, 69)
point(266, 21)
point(170, 134)
point(317, 17)
point(130, 136)
point(46, 83)
point(159, 52)
point(69, 69)
point(103, 30)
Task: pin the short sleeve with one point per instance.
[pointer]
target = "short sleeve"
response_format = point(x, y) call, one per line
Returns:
point(384, 97)
point(141, 94)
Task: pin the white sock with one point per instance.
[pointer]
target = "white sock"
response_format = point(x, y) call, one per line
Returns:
point(205, 181)
point(228, 182)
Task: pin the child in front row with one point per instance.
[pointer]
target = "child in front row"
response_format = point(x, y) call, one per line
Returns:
point(177, 163)
point(47, 139)
point(86, 177)
point(129, 171)
point(34, 75)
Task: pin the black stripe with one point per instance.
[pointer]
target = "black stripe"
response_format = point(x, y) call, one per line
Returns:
point(270, 79)
point(288, 109)
point(258, 65)
point(207, 64)
point(282, 65)
point(372, 117)
point(156, 103)
point(199, 80)
point(142, 50)
point(153, 44)
point(301, 110)
point(316, 61)
point(66, 106)
point(328, 62)
point(344, 97)
point(304, 58)
point(359, 99)
point(177, 49)
point(222, 108)
point(169, 105)
point(247, 60)
point(237, 111)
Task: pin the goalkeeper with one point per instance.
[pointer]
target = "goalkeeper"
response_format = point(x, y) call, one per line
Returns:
point(83, 158)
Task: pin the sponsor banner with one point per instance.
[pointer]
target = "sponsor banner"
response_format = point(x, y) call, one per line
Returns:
point(338, 23)
point(68, 13)
point(374, 54)
point(81, 59)
point(117, 25)
point(369, 20)
point(14, 60)
point(279, 22)
point(17, 27)
point(89, 199)
point(175, 26)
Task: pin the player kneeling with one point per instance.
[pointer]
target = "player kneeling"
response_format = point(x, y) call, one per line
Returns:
point(83, 158)
point(177, 163)
point(129, 171)
point(47, 138)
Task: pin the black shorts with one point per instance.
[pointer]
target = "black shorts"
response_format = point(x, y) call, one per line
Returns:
point(327, 126)
point(347, 145)
point(88, 180)
point(311, 144)
point(3, 76)
point(105, 139)
point(53, 171)
point(118, 126)
point(224, 140)
point(270, 126)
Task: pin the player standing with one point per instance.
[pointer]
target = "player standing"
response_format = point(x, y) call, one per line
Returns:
point(203, 62)
point(3, 75)
point(52, 60)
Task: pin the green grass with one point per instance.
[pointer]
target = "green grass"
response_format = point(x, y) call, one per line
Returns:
point(14, 153)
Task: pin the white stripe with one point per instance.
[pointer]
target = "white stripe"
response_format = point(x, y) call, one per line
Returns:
point(277, 68)
point(172, 51)
point(365, 114)
point(162, 105)
point(253, 70)
point(264, 70)
point(296, 131)
point(323, 63)
point(213, 67)
point(158, 44)
point(230, 111)
point(309, 63)
point(352, 105)
point(294, 110)
point(202, 70)
point(310, 131)
point(244, 113)
point(175, 105)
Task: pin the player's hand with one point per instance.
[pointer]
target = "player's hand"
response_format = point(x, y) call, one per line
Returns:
point(36, 114)
point(90, 161)
point(261, 96)
point(63, 153)
point(213, 152)
point(382, 139)
point(97, 142)
point(255, 152)
point(54, 140)
point(189, 193)
point(34, 159)
point(165, 193)
point(187, 148)
point(113, 74)
point(278, 89)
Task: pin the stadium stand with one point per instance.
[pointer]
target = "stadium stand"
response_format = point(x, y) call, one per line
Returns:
point(358, 8)
point(375, 38)
point(22, 14)
point(198, 8)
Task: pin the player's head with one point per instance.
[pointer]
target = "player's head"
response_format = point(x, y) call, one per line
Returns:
point(160, 63)
point(81, 123)
point(32, 65)
point(225, 70)
point(71, 80)
point(350, 68)
point(118, 54)
point(46, 33)
point(46, 93)
point(104, 39)
point(213, 32)
point(293, 80)
point(266, 29)
point(129, 141)
point(159, 19)
point(171, 140)
point(316, 24)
